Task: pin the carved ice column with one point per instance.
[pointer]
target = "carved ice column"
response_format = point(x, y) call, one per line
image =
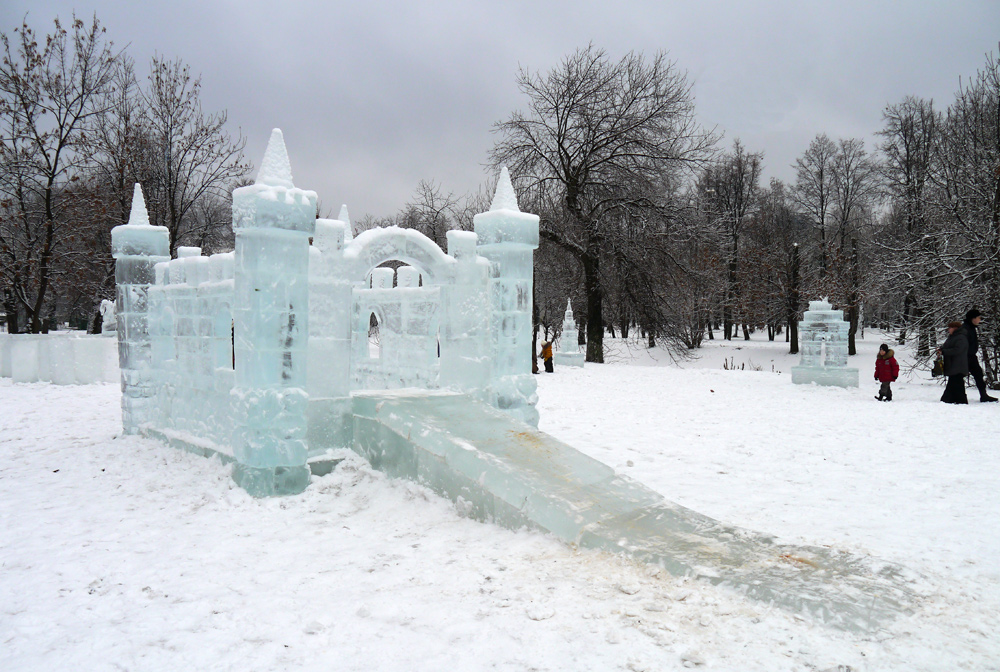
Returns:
point(137, 248)
point(330, 417)
point(507, 238)
point(569, 346)
point(272, 220)
point(466, 352)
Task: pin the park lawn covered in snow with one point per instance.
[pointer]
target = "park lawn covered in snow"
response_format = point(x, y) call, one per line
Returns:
point(121, 553)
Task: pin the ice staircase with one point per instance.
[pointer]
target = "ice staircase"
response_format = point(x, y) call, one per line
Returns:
point(499, 470)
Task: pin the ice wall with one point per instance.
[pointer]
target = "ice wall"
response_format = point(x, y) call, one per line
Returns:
point(273, 221)
point(507, 238)
point(432, 317)
point(137, 248)
point(62, 358)
point(191, 330)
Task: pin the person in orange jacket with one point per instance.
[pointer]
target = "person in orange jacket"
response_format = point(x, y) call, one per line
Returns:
point(547, 355)
point(886, 371)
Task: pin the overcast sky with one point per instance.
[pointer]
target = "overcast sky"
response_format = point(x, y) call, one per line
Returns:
point(373, 97)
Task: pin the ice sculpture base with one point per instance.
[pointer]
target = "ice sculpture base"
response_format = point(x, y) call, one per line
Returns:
point(271, 481)
point(319, 465)
point(500, 470)
point(835, 377)
point(569, 358)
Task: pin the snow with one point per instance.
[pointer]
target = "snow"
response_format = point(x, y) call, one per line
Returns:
point(275, 168)
point(119, 552)
point(504, 198)
point(138, 215)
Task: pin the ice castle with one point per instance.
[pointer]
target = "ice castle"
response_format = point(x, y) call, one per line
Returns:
point(256, 353)
point(267, 357)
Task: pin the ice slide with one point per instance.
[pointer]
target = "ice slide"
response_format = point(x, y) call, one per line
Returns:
point(500, 470)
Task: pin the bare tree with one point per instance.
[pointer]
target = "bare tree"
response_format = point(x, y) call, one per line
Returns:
point(732, 188)
point(911, 134)
point(597, 139)
point(48, 93)
point(813, 190)
point(431, 212)
point(196, 157)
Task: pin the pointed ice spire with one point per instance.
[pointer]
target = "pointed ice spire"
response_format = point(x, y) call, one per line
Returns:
point(275, 170)
point(139, 215)
point(504, 198)
point(569, 307)
point(345, 217)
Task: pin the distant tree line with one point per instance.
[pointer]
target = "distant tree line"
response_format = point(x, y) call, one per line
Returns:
point(649, 225)
point(77, 130)
point(648, 222)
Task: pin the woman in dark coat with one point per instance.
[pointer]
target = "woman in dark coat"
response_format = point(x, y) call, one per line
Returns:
point(956, 364)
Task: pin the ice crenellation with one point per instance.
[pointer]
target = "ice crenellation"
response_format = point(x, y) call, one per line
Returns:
point(258, 351)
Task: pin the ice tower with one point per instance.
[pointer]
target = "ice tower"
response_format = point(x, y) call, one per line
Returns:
point(273, 221)
point(569, 345)
point(823, 336)
point(508, 237)
point(137, 248)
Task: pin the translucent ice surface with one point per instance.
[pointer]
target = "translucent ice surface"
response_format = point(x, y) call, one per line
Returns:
point(509, 473)
point(823, 343)
point(569, 353)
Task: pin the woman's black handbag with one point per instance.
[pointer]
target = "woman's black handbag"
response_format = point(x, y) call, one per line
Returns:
point(938, 368)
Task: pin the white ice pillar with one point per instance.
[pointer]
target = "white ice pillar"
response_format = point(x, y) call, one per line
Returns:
point(507, 237)
point(272, 220)
point(137, 247)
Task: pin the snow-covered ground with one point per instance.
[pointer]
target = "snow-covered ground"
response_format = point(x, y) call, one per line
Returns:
point(119, 553)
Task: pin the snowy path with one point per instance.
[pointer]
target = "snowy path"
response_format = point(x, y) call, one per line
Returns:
point(136, 556)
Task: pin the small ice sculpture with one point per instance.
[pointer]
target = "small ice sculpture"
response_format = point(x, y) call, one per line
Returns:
point(108, 325)
point(823, 338)
point(569, 347)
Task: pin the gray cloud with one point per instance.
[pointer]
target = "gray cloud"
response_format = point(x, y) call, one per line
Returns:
point(374, 97)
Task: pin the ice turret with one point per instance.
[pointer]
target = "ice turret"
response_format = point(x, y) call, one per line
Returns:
point(275, 168)
point(507, 238)
point(273, 202)
point(272, 220)
point(345, 217)
point(137, 248)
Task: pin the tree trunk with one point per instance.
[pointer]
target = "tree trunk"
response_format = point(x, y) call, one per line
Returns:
point(852, 302)
point(10, 307)
point(907, 308)
point(595, 320)
point(534, 324)
point(792, 306)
